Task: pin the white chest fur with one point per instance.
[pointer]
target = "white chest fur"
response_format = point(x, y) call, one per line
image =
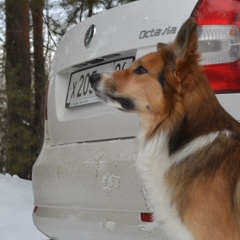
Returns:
point(153, 163)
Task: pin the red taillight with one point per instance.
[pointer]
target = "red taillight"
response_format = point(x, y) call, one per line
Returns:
point(224, 77)
point(219, 42)
point(217, 12)
point(146, 217)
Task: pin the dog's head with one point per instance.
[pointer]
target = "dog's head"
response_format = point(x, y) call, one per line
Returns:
point(154, 84)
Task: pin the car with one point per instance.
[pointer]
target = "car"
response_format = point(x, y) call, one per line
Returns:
point(85, 182)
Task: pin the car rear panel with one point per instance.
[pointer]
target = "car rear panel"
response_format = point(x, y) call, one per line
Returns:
point(90, 190)
point(84, 181)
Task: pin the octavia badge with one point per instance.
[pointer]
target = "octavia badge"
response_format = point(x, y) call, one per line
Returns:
point(89, 35)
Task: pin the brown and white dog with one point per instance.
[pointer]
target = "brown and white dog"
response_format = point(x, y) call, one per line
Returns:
point(189, 155)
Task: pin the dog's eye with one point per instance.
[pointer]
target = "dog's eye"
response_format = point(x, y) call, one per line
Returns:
point(140, 70)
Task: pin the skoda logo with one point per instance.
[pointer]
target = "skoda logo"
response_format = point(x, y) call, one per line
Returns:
point(89, 35)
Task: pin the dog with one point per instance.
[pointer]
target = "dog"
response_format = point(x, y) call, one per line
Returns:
point(189, 157)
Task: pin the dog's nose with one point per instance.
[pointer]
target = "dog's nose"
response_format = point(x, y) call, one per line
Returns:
point(94, 79)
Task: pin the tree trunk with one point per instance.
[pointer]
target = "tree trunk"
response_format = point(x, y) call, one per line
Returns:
point(39, 75)
point(18, 85)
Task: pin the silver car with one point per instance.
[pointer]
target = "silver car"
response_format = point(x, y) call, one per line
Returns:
point(85, 182)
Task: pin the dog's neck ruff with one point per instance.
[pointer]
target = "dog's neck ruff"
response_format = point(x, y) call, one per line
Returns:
point(160, 143)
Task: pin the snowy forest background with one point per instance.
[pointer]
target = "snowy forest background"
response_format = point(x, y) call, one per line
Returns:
point(29, 34)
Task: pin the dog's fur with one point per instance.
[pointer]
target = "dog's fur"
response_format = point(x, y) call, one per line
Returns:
point(189, 154)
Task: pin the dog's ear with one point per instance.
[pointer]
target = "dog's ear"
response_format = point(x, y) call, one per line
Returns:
point(160, 45)
point(186, 42)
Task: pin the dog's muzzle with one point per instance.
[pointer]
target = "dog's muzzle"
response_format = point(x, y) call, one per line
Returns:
point(94, 80)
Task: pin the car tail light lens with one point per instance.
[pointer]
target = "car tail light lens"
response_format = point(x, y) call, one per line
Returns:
point(219, 42)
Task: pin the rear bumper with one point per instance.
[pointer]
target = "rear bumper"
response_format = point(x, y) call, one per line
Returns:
point(75, 224)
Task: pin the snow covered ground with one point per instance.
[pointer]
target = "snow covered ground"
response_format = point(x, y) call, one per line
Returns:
point(16, 205)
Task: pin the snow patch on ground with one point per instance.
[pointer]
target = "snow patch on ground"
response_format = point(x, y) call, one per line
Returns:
point(16, 206)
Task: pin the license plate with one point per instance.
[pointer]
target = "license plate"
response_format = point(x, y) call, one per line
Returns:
point(80, 91)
